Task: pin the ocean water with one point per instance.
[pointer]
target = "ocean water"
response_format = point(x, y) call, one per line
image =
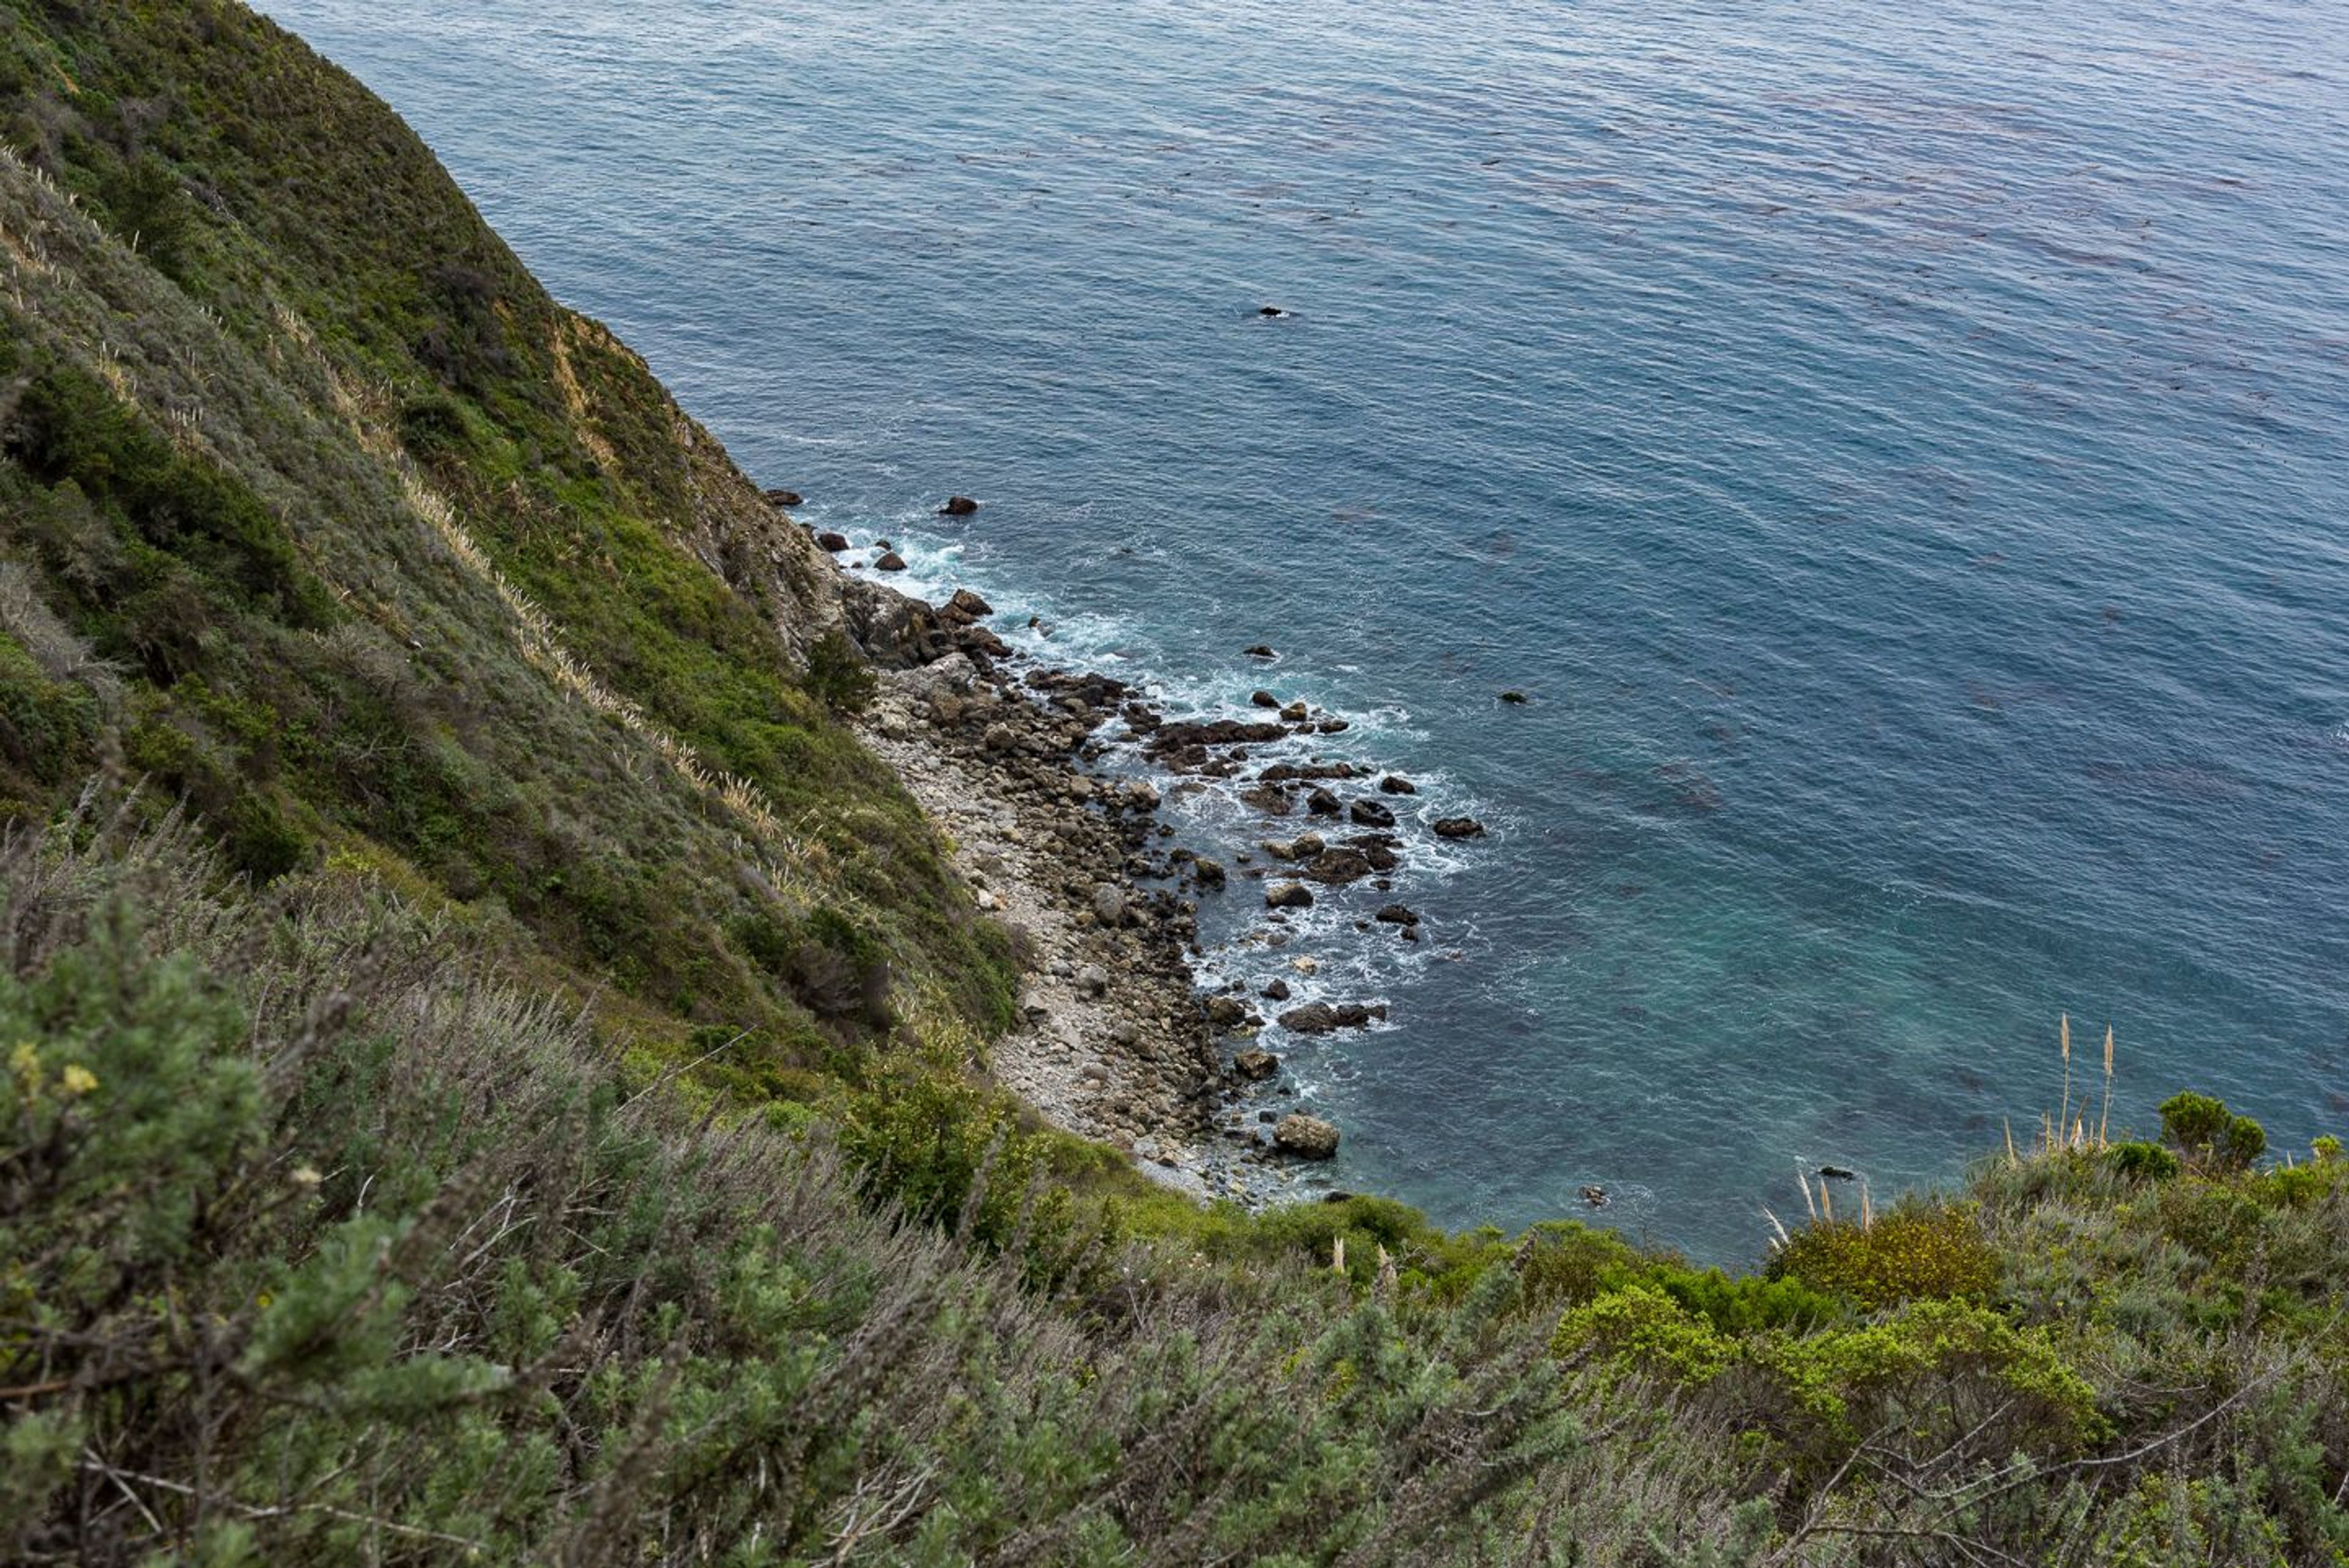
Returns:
point(1902, 451)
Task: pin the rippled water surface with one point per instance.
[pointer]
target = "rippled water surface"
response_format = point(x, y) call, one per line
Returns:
point(1903, 452)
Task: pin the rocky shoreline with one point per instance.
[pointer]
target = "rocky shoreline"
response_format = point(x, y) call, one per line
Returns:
point(1118, 1042)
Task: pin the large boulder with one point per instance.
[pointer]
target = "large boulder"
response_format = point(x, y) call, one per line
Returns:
point(1288, 896)
point(1256, 1065)
point(1309, 1138)
point(1338, 866)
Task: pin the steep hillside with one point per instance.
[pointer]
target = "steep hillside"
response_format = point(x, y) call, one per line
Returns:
point(321, 514)
point(491, 1070)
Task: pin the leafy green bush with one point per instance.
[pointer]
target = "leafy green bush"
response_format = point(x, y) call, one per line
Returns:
point(2145, 1161)
point(837, 675)
point(1919, 1358)
point(1921, 1251)
point(150, 210)
point(1644, 1326)
point(2207, 1134)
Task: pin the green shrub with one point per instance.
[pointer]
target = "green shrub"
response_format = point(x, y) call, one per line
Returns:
point(1643, 1326)
point(150, 210)
point(2144, 1161)
point(1924, 1250)
point(2208, 1134)
point(1917, 1359)
point(837, 675)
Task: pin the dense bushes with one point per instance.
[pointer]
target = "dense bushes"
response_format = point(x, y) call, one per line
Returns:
point(308, 1255)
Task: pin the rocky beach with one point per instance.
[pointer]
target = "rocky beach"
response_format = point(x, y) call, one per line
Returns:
point(1050, 784)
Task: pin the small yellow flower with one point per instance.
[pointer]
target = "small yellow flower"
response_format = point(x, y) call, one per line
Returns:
point(78, 1080)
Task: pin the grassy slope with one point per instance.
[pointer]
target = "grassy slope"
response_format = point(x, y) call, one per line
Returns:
point(367, 547)
point(333, 1228)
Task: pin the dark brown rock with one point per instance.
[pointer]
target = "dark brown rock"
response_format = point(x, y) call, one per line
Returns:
point(1259, 651)
point(1372, 814)
point(890, 561)
point(1288, 896)
point(970, 603)
point(1264, 698)
point(1339, 866)
point(1459, 827)
point(1256, 1065)
point(1271, 799)
point(1324, 803)
point(1399, 915)
point(783, 497)
point(958, 506)
point(1285, 772)
point(828, 540)
point(1395, 784)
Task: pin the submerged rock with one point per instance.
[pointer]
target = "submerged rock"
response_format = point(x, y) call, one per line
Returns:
point(783, 497)
point(958, 506)
point(1259, 651)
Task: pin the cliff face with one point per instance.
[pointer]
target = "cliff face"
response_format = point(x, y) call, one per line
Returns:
point(320, 514)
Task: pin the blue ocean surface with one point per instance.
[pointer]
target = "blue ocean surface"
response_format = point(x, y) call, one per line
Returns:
point(1902, 452)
